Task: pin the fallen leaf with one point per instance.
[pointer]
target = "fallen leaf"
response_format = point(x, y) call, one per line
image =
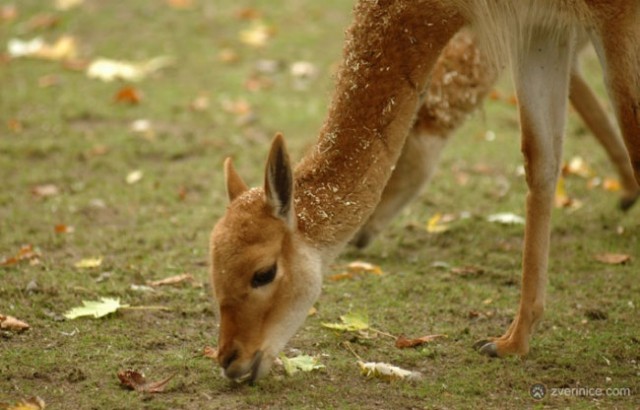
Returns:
point(135, 380)
point(26, 253)
point(467, 271)
point(257, 35)
point(402, 342)
point(64, 5)
point(65, 48)
point(357, 268)
point(387, 372)
point(97, 309)
point(506, 218)
point(45, 191)
point(579, 167)
point(613, 258)
point(180, 4)
point(143, 127)
point(62, 228)
point(88, 263)
point(435, 224)
point(134, 177)
point(128, 95)
point(34, 403)
point(228, 56)
point(303, 363)
point(562, 199)
point(210, 352)
point(108, 70)
point(24, 48)
point(351, 322)
point(173, 280)
point(11, 323)
point(611, 185)
point(200, 103)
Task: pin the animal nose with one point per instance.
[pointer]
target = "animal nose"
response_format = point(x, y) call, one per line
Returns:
point(226, 358)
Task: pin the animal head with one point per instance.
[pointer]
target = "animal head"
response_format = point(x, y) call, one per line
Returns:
point(265, 275)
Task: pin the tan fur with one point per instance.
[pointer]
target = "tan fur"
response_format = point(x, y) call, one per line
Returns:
point(460, 80)
point(299, 224)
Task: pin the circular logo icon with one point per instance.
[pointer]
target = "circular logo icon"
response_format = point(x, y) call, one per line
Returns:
point(538, 391)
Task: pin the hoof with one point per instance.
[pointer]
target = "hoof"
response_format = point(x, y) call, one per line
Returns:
point(486, 347)
point(627, 202)
point(362, 239)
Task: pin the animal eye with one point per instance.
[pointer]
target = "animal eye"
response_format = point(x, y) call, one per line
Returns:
point(264, 277)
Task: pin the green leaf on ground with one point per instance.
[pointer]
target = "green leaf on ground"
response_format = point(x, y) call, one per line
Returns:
point(97, 309)
point(303, 363)
point(351, 322)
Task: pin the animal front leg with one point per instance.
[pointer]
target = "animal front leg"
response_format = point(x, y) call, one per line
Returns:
point(541, 77)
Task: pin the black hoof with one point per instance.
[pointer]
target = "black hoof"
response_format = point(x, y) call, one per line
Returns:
point(361, 240)
point(626, 203)
point(486, 347)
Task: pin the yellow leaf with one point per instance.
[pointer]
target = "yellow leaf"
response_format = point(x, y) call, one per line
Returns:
point(34, 403)
point(257, 35)
point(435, 224)
point(351, 322)
point(65, 48)
point(134, 176)
point(68, 4)
point(88, 263)
point(578, 166)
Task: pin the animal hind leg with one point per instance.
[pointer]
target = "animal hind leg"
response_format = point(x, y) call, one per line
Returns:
point(593, 114)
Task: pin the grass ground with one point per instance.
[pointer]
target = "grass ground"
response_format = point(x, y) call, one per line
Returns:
point(220, 98)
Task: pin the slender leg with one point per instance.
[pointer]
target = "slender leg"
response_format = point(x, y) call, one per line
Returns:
point(542, 81)
point(617, 41)
point(593, 114)
point(413, 171)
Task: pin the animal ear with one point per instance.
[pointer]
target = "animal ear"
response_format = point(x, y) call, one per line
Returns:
point(278, 182)
point(235, 184)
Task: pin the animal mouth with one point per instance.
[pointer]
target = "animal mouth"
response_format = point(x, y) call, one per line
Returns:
point(252, 375)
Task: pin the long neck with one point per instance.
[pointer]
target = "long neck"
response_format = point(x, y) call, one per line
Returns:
point(389, 53)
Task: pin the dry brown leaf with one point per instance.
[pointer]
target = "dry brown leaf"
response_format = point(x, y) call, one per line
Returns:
point(611, 185)
point(173, 280)
point(128, 95)
point(135, 380)
point(62, 228)
point(402, 342)
point(11, 323)
point(26, 253)
point(210, 352)
point(613, 258)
